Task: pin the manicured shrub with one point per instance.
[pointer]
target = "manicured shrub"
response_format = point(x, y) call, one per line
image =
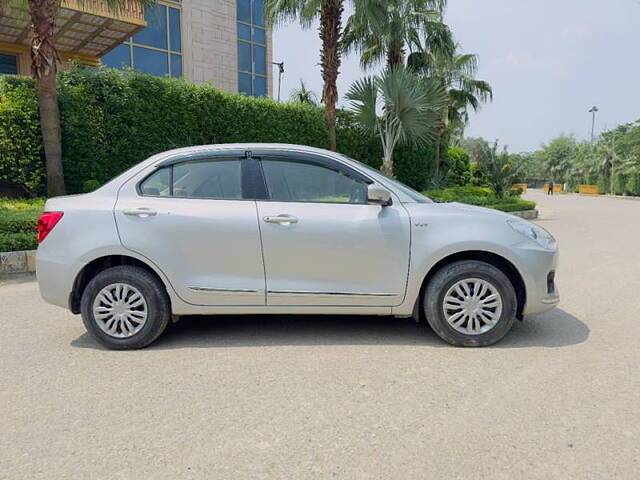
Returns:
point(18, 220)
point(12, 242)
point(618, 184)
point(633, 184)
point(21, 155)
point(113, 119)
point(456, 163)
point(603, 184)
point(480, 196)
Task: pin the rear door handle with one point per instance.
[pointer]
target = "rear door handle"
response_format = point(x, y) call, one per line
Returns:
point(140, 212)
point(281, 219)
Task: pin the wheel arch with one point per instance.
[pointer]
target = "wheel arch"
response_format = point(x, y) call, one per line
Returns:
point(97, 265)
point(494, 259)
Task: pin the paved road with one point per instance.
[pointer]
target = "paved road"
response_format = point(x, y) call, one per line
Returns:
point(340, 397)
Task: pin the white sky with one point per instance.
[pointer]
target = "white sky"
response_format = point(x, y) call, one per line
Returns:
point(548, 61)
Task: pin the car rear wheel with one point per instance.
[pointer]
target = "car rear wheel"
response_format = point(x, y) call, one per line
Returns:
point(125, 307)
point(470, 303)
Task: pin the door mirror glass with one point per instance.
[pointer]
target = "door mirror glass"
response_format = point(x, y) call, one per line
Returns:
point(379, 195)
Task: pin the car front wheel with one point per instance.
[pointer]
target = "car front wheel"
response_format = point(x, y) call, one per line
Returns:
point(470, 303)
point(125, 307)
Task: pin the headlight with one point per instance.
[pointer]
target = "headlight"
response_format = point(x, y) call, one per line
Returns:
point(534, 232)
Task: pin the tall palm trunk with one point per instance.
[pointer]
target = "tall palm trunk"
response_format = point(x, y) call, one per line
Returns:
point(44, 67)
point(330, 24)
point(395, 54)
point(395, 57)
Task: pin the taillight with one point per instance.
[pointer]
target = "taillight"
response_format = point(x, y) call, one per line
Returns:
point(46, 222)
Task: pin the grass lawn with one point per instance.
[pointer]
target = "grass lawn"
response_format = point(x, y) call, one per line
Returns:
point(18, 220)
point(482, 197)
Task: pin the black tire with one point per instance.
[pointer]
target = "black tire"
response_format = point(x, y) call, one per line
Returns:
point(154, 293)
point(446, 277)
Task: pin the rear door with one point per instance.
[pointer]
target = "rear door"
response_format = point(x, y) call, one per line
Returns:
point(323, 243)
point(197, 222)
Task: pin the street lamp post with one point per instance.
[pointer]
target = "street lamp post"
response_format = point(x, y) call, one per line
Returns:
point(280, 72)
point(593, 111)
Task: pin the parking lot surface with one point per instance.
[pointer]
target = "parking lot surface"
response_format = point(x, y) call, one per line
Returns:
point(342, 397)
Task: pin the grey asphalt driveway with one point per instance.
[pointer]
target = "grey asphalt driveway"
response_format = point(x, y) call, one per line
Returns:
point(342, 397)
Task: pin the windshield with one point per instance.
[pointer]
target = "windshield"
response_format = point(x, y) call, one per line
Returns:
point(416, 197)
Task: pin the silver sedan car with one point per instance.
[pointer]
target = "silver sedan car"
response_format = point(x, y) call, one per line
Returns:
point(285, 229)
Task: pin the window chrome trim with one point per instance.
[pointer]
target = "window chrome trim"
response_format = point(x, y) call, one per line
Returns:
point(346, 294)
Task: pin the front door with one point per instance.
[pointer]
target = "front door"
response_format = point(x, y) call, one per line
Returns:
point(192, 220)
point(323, 243)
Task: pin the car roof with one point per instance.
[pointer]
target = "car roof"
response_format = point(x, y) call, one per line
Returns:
point(242, 146)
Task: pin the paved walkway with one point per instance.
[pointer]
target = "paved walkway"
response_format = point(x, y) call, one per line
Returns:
point(335, 397)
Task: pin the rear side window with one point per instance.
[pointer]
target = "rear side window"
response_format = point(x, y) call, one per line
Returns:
point(158, 184)
point(307, 182)
point(220, 179)
point(207, 179)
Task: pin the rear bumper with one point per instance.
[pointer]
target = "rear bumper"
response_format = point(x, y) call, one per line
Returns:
point(54, 280)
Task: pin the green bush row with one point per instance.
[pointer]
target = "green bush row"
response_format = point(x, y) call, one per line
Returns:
point(18, 220)
point(113, 119)
point(482, 197)
point(12, 242)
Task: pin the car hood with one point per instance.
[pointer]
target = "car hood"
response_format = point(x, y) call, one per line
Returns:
point(472, 210)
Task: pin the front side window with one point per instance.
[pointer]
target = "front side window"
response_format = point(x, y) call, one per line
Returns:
point(307, 182)
point(156, 49)
point(207, 179)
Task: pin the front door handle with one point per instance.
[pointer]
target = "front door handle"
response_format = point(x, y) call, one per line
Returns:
point(281, 219)
point(140, 212)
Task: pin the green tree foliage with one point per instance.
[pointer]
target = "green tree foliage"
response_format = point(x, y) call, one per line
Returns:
point(498, 170)
point(303, 95)
point(477, 147)
point(613, 162)
point(558, 155)
point(457, 163)
point(385, 29)
point(456, 72)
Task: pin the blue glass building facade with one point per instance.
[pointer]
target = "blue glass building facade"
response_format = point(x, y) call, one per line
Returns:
point(159, 48)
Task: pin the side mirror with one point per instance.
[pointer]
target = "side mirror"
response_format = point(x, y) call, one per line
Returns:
point(379, 195)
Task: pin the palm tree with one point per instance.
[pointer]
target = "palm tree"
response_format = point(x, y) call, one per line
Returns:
point(384, 29)
point(499, 170)
point(330, 14)
point(303, 95)
point(456, 72)
point(45, 60)
point(410, 105)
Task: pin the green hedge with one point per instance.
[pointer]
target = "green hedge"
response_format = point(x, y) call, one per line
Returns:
point(12, 242)
point(114, 119)
point(21, 154)
point(632, 186)
point(18, 224)
point(482, 197)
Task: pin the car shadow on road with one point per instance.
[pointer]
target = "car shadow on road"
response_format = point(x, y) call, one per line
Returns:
point(553, 329)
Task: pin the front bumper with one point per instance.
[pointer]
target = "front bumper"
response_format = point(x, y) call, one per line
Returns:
point(538, 268)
